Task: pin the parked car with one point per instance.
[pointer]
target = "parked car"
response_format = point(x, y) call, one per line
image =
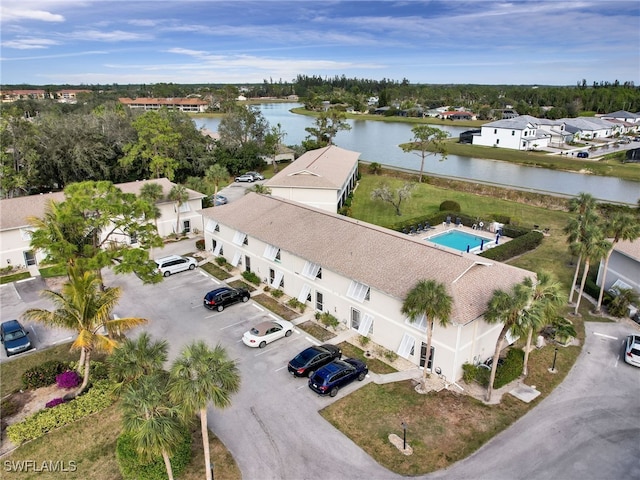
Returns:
point(222, 297)
point(255, 175)
point(219, 200)
point(14, 337)
point(311, 359)
point(175, 264)
point(267, 332)
point(335, 375)
point(583, 155)
point(632, 350)
point(245, 178)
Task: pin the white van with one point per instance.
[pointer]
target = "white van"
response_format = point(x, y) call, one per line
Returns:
point(174, 264)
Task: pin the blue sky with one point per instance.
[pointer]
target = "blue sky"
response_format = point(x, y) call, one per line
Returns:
point(483, 42)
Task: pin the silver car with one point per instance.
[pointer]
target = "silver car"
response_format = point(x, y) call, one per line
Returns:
point(632, 350)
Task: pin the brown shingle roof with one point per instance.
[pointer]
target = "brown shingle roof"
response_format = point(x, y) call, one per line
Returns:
point(630, 249)
point(327, 167)
point(385, 260)
point(15, 212)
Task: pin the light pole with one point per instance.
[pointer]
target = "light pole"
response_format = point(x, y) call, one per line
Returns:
point(404, 436)
point(555, 354)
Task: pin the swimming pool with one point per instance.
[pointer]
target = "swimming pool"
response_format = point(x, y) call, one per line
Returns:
point(459, 240)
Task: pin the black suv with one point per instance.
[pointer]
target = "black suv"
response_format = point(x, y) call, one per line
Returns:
point(311, 359)
point(221, 297)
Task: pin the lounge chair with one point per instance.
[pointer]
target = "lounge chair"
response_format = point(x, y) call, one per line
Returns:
point(405, 230)
point(427, 226)
point(413, 230)
point(448, 221)
point(420, 227)
point(458, 222)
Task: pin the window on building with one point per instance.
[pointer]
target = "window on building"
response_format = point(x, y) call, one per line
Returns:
point(497, 141)
point(276, 278)
point(423, 355)
point(358, 291)
point(495, 130)
point(407, 344)
point(185, 207)
point(271, 253)
point(362, 323)
point(239, 238)
point(133, 238)
point(305, 293)
point(247, 263)
point(513, 133)
point(217, 251)
point(236, 259)
point(311, 270)
point(419, 323)
point(186, 226)
point(211, 226)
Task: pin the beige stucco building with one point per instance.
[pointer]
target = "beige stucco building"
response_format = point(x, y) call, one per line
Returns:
point(361, 273)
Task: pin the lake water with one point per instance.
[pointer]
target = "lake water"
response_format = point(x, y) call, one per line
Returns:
point(379, 142)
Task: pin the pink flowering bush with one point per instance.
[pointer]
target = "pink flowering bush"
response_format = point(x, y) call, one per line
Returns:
point(54, 402)
point(68, 379)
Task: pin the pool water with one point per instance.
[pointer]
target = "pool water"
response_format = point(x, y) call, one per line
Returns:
point(459, 240)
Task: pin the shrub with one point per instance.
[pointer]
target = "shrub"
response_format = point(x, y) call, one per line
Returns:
point(510, 369)
point(513, 231)
point(515, 247)
point(54, 402)
point(44, 374)
point(450, 205)
point(68, 379)
point(267, 288)
point(277, 293)
point(251, 277)
point(294, 303)
point(329, 320)
point(375, 168)
point(390, 355)
point(96, 399)
point(364, 341)
point(132, 467)
point(9, 406)
point(200, 244)
point(504, 219)
point(221, 261)
point(469, 372)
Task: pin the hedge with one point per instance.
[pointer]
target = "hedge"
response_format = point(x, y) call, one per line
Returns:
point(44, 374)
point(132, 467)
point(516, 246)
point(37, 425)
point(510, 369)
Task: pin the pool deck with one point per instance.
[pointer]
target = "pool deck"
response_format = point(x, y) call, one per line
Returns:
point(443, 227)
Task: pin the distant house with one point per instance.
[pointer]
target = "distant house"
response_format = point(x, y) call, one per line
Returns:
point(624, 267)
point(509, 113)
point(321, 178)
point(467, 136)
point(457, 115)
point(69, 96)
point(15, 229)
point(622, 115)
point(13, 95)
point(181, 104)
point(589, 128)
point(523, 132)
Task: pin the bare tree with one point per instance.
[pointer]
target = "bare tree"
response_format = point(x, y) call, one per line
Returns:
point(395, 197)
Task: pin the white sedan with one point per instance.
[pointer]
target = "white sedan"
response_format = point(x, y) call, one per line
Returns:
point(267, 332)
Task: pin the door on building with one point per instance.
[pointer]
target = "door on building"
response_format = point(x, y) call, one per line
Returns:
point(423, 356)
point(186, 226)
point(319, 301)
point(247, 263)
point(29, 258)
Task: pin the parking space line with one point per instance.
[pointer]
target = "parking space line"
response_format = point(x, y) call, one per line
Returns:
point(605, 336)
point(233, 325)
point(281, 368)
point(312, 340)
point(214, 315)
point(255, 305)
point(273, 316)
point(302, 386)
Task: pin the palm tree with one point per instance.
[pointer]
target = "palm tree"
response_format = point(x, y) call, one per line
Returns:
point(215, 174)
point(155, 425)
point(506, 308)
point(545, 298)
point(199, 376)
point(152, 192)
point(584, 204)
point(83, 306)
point(593, 247)
point(180, 196)
point(428, 298)
point(621, 226)
point(134, 359)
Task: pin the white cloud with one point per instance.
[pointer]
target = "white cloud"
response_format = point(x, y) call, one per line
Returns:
point(113, 36)
point(29, 43)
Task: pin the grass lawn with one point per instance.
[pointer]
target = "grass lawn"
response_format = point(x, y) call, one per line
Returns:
point(91, 444)
point(216, 271)
point(552, 255)
point(444, 427)
point(14, 277)
point(274, 306)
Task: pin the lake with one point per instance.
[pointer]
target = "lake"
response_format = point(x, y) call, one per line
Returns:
point(379, 142)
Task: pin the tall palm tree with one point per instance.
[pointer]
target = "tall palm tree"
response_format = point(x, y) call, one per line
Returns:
point(621, 226)
point(428, 298)
point(593, 247)
point(545, 298)
point(134, 359)
point(83, 306)
point(506, 308)
point(179, 195)
point(154, 423)
point(152, 192)
point(215, 174)
point(584, 205)
point(199, 376)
